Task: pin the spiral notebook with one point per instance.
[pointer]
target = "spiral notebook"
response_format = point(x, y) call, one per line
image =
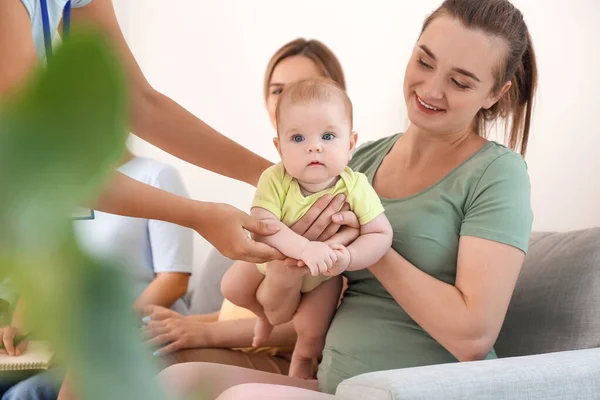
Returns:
point(37, 356)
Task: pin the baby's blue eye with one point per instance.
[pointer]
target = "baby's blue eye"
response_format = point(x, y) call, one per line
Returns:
point(328, 136)
point(297, 138)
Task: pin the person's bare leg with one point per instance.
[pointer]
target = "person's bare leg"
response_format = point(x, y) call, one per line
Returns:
point(263, 391)
point(278, 364)
point(66, 390)
point(210, 380)
point(239, 286)
point(262, 331)
point(279, 293)
point(312, 321)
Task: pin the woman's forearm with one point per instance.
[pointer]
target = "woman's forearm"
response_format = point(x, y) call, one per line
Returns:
point(212, 317)
point(192, 140)
point(240, 332)
point(163, 291)
point(129, 197)
point(438, 307)
point(163, 122)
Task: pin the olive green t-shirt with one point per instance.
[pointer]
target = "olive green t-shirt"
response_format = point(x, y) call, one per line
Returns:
point(487, 196)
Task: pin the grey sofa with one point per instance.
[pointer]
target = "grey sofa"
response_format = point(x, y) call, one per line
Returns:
point(549, 346)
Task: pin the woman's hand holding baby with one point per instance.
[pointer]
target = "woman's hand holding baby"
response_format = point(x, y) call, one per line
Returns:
point(326, 222)
point(329, 218)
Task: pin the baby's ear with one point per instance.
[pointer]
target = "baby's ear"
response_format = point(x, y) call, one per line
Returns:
point(276, 143)
point(353, 140)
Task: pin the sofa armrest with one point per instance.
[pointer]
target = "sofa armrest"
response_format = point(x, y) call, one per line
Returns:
point(561, 375)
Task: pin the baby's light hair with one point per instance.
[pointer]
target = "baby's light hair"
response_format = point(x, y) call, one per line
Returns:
point(313, 90)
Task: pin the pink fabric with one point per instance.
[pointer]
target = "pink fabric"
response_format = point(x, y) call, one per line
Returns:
point(264, 391)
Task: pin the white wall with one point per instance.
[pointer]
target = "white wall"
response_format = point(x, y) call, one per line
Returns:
point(210, 56)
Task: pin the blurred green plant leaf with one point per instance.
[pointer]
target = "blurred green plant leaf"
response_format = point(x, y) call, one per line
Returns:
point(60, 135)
point(60, 138)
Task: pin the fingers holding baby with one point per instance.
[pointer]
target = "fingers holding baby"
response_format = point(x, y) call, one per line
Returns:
point(319, 257)
point(327, 259)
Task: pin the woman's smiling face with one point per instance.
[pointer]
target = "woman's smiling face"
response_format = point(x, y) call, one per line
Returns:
point(450, 76)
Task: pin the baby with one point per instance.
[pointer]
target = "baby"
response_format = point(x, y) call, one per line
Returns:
point(315, 141)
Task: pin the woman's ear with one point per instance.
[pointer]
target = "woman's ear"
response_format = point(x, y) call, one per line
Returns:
point(493, 99)
point(353, 140)
point(276, 143)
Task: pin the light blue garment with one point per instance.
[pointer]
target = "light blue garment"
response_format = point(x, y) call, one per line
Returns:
point(42, 386)
point(55, 12)
point(143, 247)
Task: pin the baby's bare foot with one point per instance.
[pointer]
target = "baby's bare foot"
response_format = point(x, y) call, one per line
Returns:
point(262, 332)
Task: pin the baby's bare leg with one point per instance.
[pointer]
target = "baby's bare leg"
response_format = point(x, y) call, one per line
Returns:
point(239, 286)
point(312, 322)
point(279, 293)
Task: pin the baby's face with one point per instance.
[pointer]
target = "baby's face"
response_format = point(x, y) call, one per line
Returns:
point(315, 140)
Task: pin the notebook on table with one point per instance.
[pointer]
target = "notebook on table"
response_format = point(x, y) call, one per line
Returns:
point(37, 356)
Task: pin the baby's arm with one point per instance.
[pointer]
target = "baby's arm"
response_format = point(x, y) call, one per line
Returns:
point(374, 241)
point(318, 256)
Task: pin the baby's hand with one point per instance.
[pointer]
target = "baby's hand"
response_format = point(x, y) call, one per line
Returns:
point(318, 257)
point(343, 260)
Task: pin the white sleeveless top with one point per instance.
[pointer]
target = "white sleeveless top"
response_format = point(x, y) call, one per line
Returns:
point(55, 12)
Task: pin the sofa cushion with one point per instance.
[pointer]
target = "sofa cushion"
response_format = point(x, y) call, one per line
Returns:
point(556, 303)
point(205, 285)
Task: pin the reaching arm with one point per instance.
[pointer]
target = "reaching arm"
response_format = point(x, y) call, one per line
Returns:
point(222, 225)
point(161, 121)
point(178, 334)
point(374, 241)
point(16, 46)
point(466, 317)
point(154, 117)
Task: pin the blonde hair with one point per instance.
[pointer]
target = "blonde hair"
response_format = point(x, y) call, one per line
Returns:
point(313, 90)
point(314, 50)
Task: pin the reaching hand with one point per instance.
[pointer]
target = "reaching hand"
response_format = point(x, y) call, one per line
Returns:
point(158, 313)
point(343, 260)
point(173, 334)
point(318, 257)
point(328, 217)
point(224, 227)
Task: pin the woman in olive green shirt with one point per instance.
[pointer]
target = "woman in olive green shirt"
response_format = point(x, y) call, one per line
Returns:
point(458, 203)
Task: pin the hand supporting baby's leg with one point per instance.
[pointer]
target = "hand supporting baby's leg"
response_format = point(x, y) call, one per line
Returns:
point(311, 322)
point(239, 286)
